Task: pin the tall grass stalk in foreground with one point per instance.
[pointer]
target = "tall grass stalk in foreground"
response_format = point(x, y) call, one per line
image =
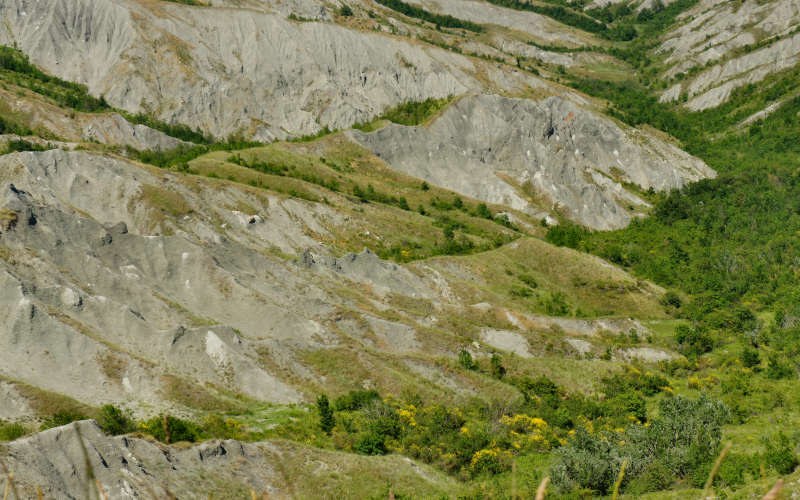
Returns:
point(774, 492)
point(540, 492)
point(715, 469)
point(10, 486)
point(619, 480)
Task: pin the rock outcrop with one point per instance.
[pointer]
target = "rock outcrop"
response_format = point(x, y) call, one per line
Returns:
point(79, 461)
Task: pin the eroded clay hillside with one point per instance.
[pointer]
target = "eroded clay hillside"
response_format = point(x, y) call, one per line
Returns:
point(218, 211)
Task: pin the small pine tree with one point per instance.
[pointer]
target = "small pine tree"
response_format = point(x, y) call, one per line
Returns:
point(326, 419)
point(498, 370)
point(750, 358)
point(465, 360)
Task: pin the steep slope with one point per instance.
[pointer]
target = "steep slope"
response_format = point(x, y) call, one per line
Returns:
point(146, 276)
point(513, 151)
point(214, 67)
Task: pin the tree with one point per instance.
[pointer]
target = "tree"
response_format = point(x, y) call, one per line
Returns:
point(326, 418)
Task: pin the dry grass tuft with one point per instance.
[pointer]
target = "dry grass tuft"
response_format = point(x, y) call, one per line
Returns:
point(542, 490)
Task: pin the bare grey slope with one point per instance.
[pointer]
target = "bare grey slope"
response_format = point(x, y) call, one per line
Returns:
point(218, 68)
point(504, 150)
point(117, 281)
point(62, 462)
point(714, 38)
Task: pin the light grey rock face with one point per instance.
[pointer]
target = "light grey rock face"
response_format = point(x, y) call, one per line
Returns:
point(99, 291)
point(105, 128)
point(366, 267)
point(671, 94)
point(536, 25)
point(714, 86)
point(647, 354)
point(711, 33)
point(713, 29)
point(555, 149)
point(14, 406)
point(114, 129)
point(230, 70)
point(525, 50)
point(127, 467)
point(55, 460)
point(507, 340)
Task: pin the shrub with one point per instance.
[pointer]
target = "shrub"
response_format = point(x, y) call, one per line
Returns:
point(372, 443)
point(672, 299)
point(114, 421)
point(62, 417)
point(217, 426)
point(483, 211)
point(355, 400)
point(566, 235)
point(750, 358)
point(627, 403)
point(416, 113)
point(497, 368)
point(486, 461)
point(684, 436)
point(654, 477)
point(169, 429)
point(326, 418)
point(465, 360)
point(23, 145)
point(737, 469)
point(693, 341)
point(439, 19)
point(528, 280)
point(778, 369)
point(632, 380)
point(520, 291)
point(589, 461)
point(345, 11)
point(780, 456)
point(556, 304)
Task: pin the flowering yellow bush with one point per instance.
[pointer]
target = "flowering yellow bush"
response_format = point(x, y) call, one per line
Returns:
point(523, 423)
point(488, 460)
point(407, 415)
point(528, 433)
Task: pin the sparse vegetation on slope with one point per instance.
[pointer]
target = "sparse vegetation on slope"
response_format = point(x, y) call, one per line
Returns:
point(15, 68)
point(444, 21)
